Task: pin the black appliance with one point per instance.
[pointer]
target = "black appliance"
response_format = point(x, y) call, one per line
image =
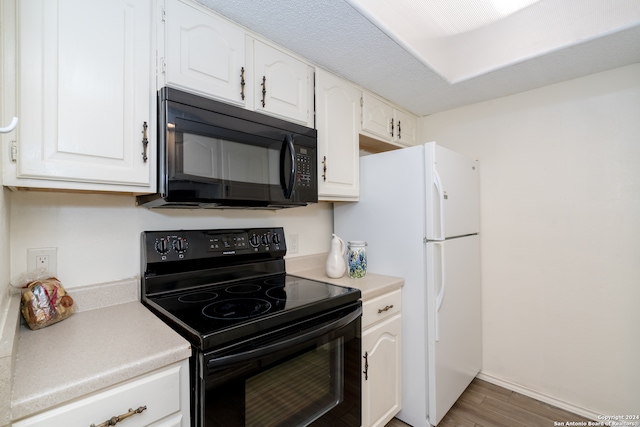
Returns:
point(269, 348)
point(216, 155)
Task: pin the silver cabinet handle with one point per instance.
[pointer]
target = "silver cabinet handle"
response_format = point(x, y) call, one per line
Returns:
point(115, 420)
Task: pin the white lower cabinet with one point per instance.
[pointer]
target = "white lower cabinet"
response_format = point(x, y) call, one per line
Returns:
point(164, 393)
point(381, 362)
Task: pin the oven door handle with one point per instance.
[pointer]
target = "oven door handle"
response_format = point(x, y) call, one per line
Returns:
point(258, 352)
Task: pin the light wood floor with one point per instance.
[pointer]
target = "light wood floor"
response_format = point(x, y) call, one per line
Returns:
point(487, 405)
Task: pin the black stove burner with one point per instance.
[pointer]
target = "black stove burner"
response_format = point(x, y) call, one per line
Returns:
point(198, 297)
point(236, 309)
point(243, 289)
point(295, 291)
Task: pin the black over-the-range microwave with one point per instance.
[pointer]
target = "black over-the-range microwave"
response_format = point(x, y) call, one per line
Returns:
point(216, 155)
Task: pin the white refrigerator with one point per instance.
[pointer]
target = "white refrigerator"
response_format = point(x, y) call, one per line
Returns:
point(419, 214)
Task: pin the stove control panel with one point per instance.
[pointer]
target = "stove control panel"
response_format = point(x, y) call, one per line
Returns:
point(167, 246)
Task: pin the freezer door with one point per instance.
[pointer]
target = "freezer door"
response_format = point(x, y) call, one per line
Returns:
point(452, 198)
point(454, 321)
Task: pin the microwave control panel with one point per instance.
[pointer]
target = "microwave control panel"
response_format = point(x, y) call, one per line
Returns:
point(304, 169)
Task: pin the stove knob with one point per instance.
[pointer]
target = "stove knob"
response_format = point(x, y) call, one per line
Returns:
point(180, 245)
point(266, 239)
point(254, 240)
point(276, 239)
point(162, 245)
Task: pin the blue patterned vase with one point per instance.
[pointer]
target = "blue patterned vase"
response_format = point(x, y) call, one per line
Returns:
point(357, 259)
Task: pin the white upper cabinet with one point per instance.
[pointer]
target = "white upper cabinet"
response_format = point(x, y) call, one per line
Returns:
point(406, 128)
point(282, 84)
point(376, 117)
point(85, 96)
point(203, 53)
point(382, 121)
point(337, 116)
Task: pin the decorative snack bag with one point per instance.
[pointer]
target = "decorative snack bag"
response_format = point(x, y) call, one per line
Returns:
point(45, 302)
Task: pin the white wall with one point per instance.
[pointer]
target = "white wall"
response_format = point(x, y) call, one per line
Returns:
point(560, 231)
point(98, 236)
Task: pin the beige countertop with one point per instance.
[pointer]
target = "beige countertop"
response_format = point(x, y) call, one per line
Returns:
point(89, 351)
point(372, 285)
point(109, 341)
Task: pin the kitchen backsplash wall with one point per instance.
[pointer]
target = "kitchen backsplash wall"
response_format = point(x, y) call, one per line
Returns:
point(97, 236)
point(560, 232)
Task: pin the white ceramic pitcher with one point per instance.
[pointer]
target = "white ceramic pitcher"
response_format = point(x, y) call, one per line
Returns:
point(335, 265)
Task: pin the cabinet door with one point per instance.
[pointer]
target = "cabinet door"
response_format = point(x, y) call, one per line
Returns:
point(337, 115)
point(381, 386)
point(376, 117)
point(406, 132)
point(85, 91)
point(203, 53)
point(281, 84)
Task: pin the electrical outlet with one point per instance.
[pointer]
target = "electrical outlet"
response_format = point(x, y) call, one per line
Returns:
point(293, 243)
point(43, 258)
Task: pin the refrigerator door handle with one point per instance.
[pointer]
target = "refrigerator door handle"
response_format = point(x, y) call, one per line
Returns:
point(438, 185)
point(440, 296)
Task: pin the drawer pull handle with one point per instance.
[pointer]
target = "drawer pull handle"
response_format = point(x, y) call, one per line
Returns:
point(387, 308)
point(114, 420)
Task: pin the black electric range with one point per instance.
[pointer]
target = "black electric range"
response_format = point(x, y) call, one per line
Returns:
point(217, 286)
point(257, 333)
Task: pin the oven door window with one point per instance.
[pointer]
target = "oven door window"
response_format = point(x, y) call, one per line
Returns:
point(314, 380)
point(297, 391)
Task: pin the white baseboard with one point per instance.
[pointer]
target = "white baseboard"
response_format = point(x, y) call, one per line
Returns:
point(584, 412)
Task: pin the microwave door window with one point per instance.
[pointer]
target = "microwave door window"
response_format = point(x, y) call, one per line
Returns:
point(219, 159)
point(243, 170)
point(199, 157)
point(250, 163)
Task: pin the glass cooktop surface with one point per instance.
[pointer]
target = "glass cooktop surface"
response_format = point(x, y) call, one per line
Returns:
point(237, 309)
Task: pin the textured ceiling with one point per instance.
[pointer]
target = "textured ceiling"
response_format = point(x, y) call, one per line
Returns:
point(333, 35)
